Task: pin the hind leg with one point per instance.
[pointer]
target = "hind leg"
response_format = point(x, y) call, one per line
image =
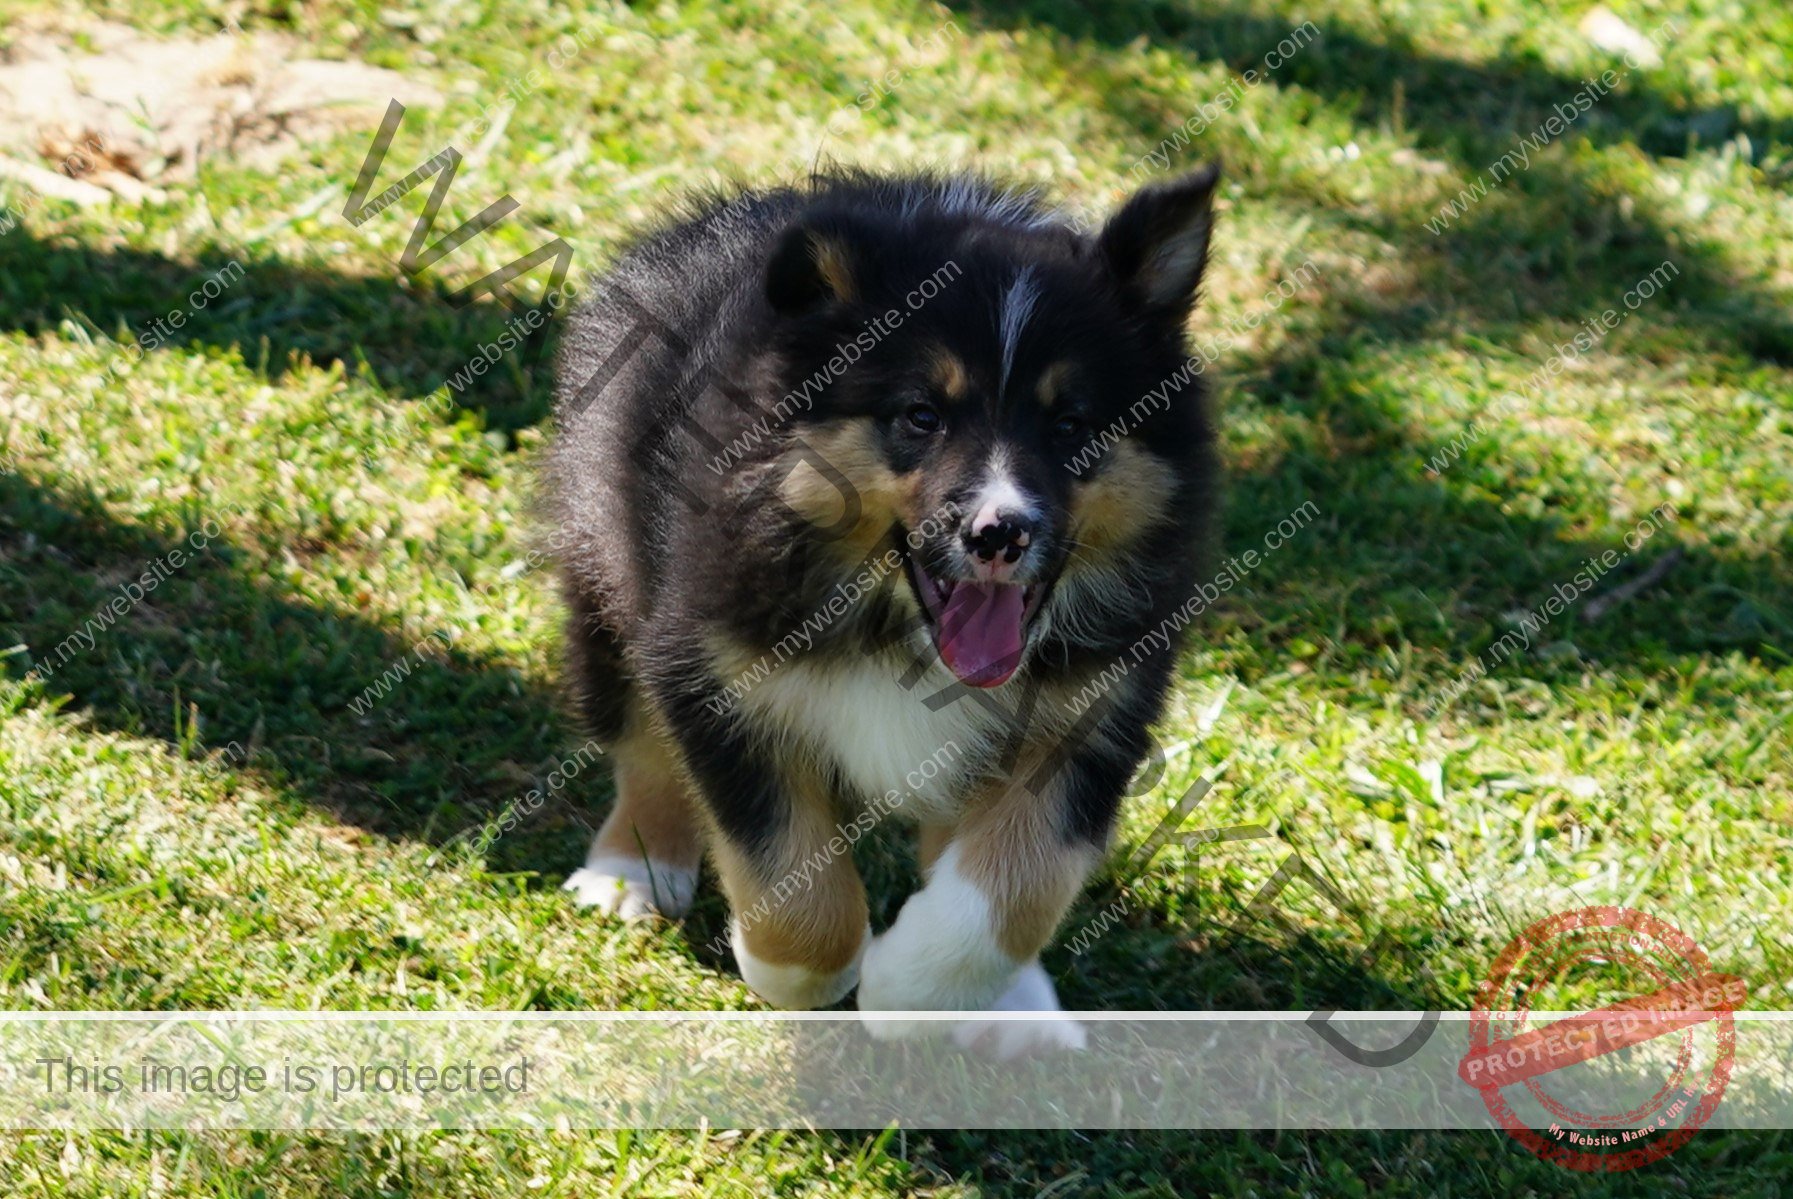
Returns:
point(644, 860)
point(645, 857)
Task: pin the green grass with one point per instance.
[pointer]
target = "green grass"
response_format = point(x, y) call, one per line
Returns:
point(191, 816)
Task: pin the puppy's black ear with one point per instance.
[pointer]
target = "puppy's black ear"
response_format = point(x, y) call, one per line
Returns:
point(1157, 245)
point(811, 268)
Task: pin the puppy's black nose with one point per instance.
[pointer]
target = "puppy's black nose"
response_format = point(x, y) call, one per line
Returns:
point(1006, 535)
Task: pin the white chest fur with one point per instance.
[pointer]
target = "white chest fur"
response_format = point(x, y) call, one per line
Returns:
point(882, 735)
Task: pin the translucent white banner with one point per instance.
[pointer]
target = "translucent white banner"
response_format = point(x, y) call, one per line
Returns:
point(1581, 1075)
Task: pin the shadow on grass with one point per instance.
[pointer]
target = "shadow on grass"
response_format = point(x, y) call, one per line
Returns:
point(1398, 560)
point(447, 747)
point(1538, 245)
point(400, 333)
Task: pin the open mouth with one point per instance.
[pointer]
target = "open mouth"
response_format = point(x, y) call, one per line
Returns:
point(979, 628)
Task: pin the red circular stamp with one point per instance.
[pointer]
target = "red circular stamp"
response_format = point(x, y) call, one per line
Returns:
point(1504, 1052)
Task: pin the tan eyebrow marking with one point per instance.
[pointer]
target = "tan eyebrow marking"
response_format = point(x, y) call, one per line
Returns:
point(1052, 382)
point(949, 374)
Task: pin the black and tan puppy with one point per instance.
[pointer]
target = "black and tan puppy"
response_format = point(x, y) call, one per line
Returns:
point(863, 484)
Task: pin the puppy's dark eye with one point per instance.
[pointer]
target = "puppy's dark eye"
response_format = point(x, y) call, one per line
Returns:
point(1068, 427)
point(923, 418)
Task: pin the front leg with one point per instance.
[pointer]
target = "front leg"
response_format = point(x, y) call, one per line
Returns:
point(799, 914)
point(798, 922)
point(950, 948)
point(970, 939)
point(1032, 991)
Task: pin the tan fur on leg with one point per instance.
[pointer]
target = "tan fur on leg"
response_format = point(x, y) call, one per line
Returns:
point(931, 842)
point(655, 811)
point(970, 939)
point(1016, 855)
point(646, 856)
point(800, 917)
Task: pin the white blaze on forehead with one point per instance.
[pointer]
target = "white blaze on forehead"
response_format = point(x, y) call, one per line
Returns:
point(1018, 303)
point(999, 495)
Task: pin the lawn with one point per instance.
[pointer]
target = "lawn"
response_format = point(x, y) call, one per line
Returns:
point(204, 806)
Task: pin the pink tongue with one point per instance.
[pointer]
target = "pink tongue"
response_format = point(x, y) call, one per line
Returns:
point(980, 632)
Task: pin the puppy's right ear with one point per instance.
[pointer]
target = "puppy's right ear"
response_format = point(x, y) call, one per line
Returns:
point(811, 268)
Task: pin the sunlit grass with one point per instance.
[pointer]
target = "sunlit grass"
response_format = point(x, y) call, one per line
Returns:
point(1641, 759)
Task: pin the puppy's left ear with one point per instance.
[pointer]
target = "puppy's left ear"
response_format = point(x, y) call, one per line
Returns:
point(1157, 245)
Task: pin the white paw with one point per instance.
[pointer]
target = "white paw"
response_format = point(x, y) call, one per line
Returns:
point(894, 978)
point(794, 988)
point(940, 955)
point(632, 888)
point(1032, 991)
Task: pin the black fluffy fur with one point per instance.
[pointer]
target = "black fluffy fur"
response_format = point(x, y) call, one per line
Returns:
point(702, 327)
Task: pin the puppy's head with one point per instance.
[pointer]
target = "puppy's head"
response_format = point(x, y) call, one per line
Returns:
point(1013, 398)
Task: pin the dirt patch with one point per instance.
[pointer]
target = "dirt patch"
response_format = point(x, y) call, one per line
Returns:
point(127, 111)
